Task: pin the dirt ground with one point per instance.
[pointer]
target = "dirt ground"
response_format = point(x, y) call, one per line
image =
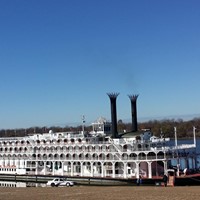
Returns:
point(97, 193)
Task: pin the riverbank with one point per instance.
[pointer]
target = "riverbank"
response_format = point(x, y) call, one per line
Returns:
point(101, 193)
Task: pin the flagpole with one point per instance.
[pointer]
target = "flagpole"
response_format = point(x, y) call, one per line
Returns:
point(175, 137)
point(194, 133)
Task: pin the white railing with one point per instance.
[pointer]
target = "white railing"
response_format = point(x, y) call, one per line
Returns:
point(185, 146)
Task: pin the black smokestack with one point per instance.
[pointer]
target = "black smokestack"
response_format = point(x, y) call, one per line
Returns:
point(113, 97)
point(133, 99)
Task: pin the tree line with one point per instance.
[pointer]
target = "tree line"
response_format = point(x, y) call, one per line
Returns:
point(157, 127)
point(165, 127)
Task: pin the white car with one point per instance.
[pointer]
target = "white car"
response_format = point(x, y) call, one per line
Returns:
point(60, 182)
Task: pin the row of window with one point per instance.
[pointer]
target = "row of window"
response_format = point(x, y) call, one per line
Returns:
point(54, 141)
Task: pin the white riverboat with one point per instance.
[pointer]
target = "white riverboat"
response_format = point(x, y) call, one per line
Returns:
point(98, 154)
point(74, 154)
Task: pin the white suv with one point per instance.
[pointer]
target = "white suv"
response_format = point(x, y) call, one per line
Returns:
point(60, 182)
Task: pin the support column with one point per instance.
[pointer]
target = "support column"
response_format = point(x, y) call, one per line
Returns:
point(81, 168)
point(62, 163)
point(21, 163)
point(165, 166)
point(92, 171)
point(45, 166)
point(53, 168)
point(113, 170)
point(17, 163)
point(72, 170)
point(6, 163)
point(149, 170)
point(178, 170)
point(11, 162)
point(125, 170)
point(36, 168)
point(25, 164)
point(102, 169)
point(137, 170)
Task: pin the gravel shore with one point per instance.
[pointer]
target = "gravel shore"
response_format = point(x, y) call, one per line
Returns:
point(101, 193)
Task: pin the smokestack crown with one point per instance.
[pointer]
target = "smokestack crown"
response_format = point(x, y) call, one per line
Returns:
point(133, 97)
point(113, 95)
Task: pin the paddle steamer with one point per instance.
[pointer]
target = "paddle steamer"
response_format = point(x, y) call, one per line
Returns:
point(101, 153)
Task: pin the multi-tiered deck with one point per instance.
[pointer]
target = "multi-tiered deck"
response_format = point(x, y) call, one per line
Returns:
point(74, 154)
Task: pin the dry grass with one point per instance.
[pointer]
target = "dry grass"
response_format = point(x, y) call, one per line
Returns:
point(97, 193)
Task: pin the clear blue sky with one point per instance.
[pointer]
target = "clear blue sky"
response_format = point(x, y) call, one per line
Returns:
point(59, 58)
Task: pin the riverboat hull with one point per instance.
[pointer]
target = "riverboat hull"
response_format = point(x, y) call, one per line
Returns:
point(192, 179)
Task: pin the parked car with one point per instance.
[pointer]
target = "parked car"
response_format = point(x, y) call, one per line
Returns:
point(60, 182)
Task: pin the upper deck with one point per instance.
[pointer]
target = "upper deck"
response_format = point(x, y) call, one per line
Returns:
point(72, 140)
